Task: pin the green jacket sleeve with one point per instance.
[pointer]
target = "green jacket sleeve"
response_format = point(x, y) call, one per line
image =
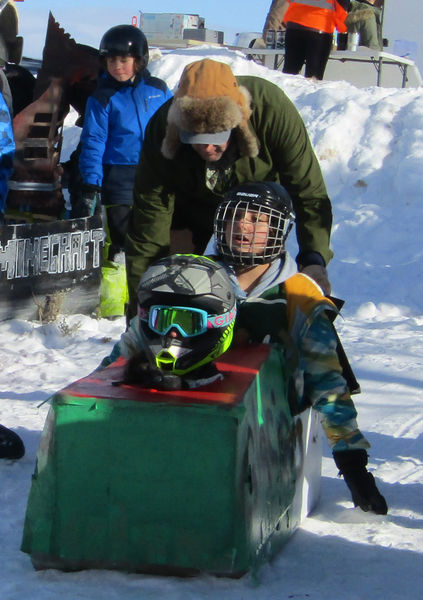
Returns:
point(285, 144)
point(149, 229)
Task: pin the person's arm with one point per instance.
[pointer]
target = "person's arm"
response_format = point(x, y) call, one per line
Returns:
point(129, 344)
point(93, 142)
point(342, 8)
point(282, 133)
point(148, 236)
point(327, 391)
point(286, 145)
point(6, 91)
point(325, 387)
point(275, 16)
point(7, 152)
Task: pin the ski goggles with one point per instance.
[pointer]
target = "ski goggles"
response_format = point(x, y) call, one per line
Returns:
point(188, 321)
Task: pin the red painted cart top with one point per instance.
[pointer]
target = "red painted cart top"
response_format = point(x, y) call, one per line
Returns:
point(239, 367)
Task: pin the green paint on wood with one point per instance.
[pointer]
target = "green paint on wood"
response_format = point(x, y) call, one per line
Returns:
point(143, 486)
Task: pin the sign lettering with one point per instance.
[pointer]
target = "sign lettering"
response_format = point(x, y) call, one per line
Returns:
point(52, 254)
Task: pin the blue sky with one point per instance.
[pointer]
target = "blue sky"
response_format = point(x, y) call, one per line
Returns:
point(86, 20)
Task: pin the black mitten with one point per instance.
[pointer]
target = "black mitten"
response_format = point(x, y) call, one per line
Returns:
point(11, 445)
point(352, 465)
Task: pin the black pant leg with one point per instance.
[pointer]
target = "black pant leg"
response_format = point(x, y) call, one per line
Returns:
point(295, 51)
point(319, 46)
point(117, 223)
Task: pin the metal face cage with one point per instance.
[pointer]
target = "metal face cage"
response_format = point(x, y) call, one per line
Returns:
point(242, 237)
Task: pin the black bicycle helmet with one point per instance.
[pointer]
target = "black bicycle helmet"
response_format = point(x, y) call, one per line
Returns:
point(122, 40)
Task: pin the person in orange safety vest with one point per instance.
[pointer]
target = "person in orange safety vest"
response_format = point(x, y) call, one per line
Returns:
point(309, 34)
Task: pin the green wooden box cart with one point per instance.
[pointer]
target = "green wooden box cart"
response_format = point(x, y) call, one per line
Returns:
point(213, 479)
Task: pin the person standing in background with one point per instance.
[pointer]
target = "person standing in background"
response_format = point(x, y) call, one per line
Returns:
point(365, 18)
point(309, 34)
point(275, 17)
point(116, 116)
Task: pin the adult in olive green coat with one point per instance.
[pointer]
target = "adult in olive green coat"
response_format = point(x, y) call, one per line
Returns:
point(219, 131)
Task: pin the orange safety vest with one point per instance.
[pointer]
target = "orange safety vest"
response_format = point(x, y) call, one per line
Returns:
point(321, 15)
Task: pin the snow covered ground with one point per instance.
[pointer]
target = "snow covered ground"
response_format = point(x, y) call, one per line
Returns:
point(370, 145)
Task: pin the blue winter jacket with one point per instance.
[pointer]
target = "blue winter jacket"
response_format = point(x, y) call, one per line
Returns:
point(7, 152)
point(115, 120)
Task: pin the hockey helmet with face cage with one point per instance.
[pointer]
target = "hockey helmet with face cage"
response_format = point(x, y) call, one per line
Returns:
point(240, 231)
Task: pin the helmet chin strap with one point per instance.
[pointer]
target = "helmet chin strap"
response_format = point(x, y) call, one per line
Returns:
point(198, 377)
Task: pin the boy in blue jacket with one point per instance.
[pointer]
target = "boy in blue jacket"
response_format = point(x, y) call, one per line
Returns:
point(114, 125)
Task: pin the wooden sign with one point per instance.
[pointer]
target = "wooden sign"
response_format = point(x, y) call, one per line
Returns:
point(51, 267)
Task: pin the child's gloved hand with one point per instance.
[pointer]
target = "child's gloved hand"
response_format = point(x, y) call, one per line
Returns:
point(90, 200)
point(139, 371)
point(361, 483)
point(312, 264)
point(320, 276)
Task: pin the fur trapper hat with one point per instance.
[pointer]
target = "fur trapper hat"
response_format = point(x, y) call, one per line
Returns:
point(209, 101)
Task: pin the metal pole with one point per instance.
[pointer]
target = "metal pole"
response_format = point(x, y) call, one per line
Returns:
point(382, 15)
point(379, 72)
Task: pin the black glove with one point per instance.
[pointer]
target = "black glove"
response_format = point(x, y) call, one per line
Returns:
point(90, 202)
point(361, 483)
point(11, 445)
point(320, 276)
point(313, 265)
point(139, 371)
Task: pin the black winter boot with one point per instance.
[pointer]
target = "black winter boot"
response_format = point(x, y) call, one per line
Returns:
point(352, 465)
